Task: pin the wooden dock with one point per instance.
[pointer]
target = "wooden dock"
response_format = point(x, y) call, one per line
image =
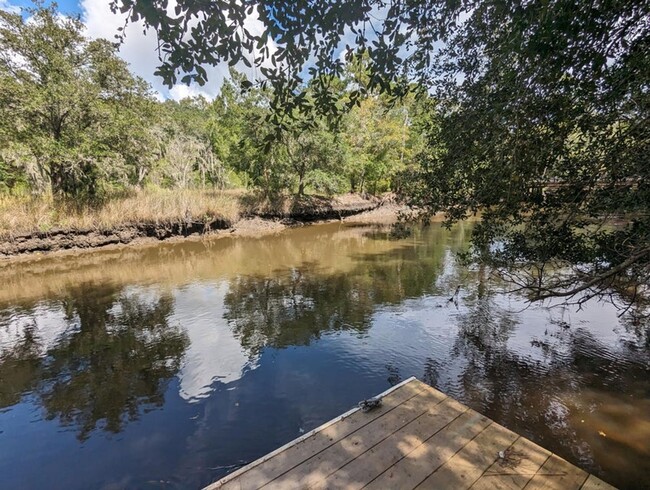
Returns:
point(418, 438)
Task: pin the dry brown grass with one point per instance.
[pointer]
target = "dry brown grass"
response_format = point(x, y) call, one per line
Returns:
point(21, 215)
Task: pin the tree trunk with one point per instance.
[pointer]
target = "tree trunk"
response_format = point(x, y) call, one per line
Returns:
point(353, 184)
point(301, 179)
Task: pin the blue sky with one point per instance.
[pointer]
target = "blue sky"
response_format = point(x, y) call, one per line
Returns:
point(70, 7)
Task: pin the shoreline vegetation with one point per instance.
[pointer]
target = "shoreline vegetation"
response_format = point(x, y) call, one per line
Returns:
point(30, 227)
point(548, 159)
point(90, 156)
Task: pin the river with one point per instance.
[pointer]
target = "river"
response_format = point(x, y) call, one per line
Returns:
point(168, 366)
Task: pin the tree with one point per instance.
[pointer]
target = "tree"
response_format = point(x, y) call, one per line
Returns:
point(76, 113)
point(186, 151)
point(541, 121)
point(311, 151)
point(380, 143)
point(181, 156)
point(548, 137)
point(238, 130)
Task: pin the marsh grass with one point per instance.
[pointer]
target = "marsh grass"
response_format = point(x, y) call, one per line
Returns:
point(23, 215)
point(26, 214)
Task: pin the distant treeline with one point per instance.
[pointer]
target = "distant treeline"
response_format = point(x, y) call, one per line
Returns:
point(75, 122)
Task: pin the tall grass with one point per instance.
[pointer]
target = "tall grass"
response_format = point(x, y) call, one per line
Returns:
point(27, 214)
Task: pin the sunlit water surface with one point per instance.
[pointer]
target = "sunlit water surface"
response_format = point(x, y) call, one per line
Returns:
point(170, 366)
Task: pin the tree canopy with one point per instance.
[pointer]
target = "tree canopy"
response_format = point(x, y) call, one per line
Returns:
point(540, 122)
point(70, 108)
point(79, 126)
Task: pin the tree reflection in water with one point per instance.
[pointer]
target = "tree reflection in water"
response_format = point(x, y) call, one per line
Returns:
point(295, 306)
point(113, 359)
point(568, 391)
point(324, 313)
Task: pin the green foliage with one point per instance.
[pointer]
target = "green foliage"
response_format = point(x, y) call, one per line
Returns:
point(309, 148)
point(380, 143)
point(294, 34)
point(186, 154)
point(238, 130)
point(11, 178)
point(548, 138)
point(325, 182)
point(308, 153)
point(541, 122)
point(76, 123)
point(72, 104)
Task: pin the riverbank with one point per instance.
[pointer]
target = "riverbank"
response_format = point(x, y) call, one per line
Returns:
point(34, 229)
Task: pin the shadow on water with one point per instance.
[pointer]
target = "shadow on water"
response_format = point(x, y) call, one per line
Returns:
point(583, 397)
point(174, 364)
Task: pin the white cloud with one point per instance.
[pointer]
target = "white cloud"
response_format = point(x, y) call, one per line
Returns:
point(210, 90)
point(8, 7)
point(139, 49)
point(45, 324)
point(214, 354)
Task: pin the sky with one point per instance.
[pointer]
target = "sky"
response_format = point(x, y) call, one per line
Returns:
point(138, 49)
point(65, 6)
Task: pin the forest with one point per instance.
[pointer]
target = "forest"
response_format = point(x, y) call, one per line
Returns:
point(77, 124)
point(533, 118)
point(368, 192)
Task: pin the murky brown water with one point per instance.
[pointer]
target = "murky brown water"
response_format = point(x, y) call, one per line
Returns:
point(168, 366)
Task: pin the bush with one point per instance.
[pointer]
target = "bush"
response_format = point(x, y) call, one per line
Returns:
point(325, 183)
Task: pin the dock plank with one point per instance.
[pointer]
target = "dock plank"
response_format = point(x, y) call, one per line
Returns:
point(468, 464)
point(594, 483)
point(334, 457)
point(557, 474)
point(418, 438)
point(437, 450)
point(280, 461)
point(522, 461)
point(362, 470)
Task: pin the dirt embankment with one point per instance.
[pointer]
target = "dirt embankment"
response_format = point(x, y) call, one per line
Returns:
point(251, 223)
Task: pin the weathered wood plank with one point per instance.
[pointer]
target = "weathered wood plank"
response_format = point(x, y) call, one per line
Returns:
point(594, 483)
point(557, 474)
point(437, 450)
point(334, 457)
point(522, 461)
point(360, 471)
point(418, 438)
point(468, 464)
point(287, 457)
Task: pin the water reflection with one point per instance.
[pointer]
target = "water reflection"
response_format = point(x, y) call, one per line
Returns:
point(294, 306)
point(112, 356)
point(213, 354)
point(178, 362)
point(570, 388)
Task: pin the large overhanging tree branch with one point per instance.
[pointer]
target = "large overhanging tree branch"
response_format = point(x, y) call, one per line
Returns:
point(541, 122)
point(289, 42)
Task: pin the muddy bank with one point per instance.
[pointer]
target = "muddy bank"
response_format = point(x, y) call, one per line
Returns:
point(55, 240)
point(252, 223)
point(387, 213)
